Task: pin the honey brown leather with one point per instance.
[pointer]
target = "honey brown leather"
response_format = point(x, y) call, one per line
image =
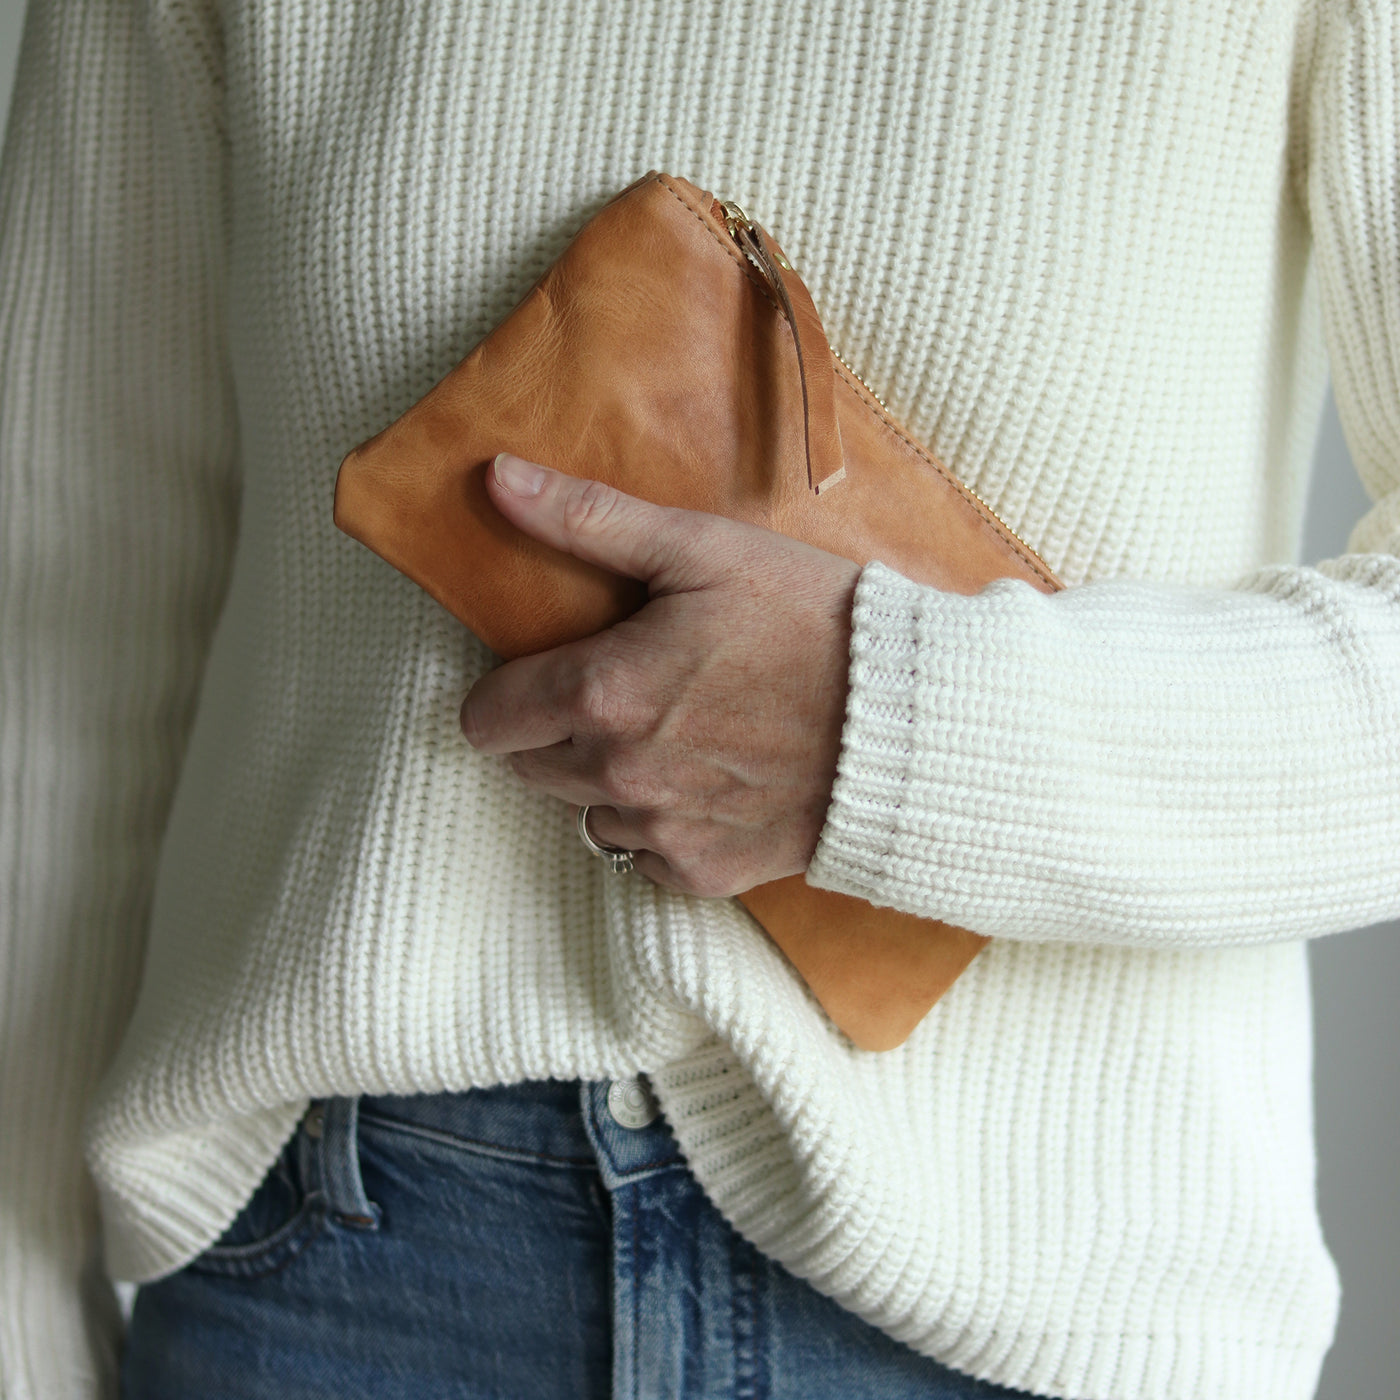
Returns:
point(658, 354)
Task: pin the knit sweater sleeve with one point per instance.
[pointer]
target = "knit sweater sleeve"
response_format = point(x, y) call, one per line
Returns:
point(118, 504)
point(1136, 763)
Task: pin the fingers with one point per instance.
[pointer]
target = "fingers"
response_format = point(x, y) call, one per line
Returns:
point(570, 772)
point(655, 868)
point(588, 691)
point(624, 828)
point(667, 548)
point(631, 831)
point(525, 704)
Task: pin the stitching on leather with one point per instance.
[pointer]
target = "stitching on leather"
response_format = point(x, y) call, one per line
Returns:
point(1002, 532)
point(1019, 547)
point(744, 266)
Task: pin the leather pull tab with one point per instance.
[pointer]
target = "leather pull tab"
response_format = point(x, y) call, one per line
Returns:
point(825, 459)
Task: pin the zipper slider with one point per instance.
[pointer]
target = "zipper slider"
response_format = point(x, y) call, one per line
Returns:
point(741, 230)
point(734, 217)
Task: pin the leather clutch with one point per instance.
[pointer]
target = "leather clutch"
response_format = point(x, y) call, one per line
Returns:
point(672, 352)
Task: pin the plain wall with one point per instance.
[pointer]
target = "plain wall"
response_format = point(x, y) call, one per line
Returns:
point(1355, 980)
point(1355, 977)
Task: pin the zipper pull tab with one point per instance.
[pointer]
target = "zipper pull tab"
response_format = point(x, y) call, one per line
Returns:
point(825, 463)
point(741, 230)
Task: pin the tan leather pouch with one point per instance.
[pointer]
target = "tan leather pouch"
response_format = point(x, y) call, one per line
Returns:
point(673, 353)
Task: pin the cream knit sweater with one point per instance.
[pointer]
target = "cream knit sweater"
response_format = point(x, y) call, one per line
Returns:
point(1091, 253)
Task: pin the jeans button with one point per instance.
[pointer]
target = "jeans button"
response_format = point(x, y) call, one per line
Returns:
point(631, 1103)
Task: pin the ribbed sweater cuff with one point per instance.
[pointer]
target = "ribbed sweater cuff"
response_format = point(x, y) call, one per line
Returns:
point(926, 779)
point(1122, 762)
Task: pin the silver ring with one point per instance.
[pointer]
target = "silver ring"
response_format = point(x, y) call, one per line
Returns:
point(620, 862)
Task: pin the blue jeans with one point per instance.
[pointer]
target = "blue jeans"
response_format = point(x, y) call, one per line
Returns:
point(523, 1243)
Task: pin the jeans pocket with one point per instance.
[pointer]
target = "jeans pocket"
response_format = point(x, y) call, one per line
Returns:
point(280, 1220)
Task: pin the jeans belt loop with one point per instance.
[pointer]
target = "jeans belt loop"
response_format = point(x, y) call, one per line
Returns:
point(340, 1166)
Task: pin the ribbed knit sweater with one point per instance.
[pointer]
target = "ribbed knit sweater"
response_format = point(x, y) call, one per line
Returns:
point(1097, 255)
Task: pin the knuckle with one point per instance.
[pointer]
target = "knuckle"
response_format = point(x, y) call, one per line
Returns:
point(589, 507)
point(625, 780)
point(604, 703)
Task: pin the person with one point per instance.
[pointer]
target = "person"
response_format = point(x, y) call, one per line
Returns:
point(316, 1006)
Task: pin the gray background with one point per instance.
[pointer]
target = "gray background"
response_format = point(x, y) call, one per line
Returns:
point(1358, 1034)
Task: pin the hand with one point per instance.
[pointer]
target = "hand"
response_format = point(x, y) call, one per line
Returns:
point(704, 729)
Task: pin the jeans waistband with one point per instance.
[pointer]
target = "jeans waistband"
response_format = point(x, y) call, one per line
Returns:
point(566, 1122)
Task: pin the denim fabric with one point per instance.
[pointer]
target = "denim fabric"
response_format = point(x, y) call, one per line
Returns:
point(517, 1243)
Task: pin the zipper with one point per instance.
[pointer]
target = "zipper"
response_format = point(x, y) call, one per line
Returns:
point(738, 225)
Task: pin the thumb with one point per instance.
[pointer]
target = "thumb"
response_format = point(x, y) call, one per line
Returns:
point(666, 548)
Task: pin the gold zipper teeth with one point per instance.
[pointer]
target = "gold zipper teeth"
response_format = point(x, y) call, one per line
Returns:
point(859, 380)
point(735, 216)
point(846, 363)
point(995, 516)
